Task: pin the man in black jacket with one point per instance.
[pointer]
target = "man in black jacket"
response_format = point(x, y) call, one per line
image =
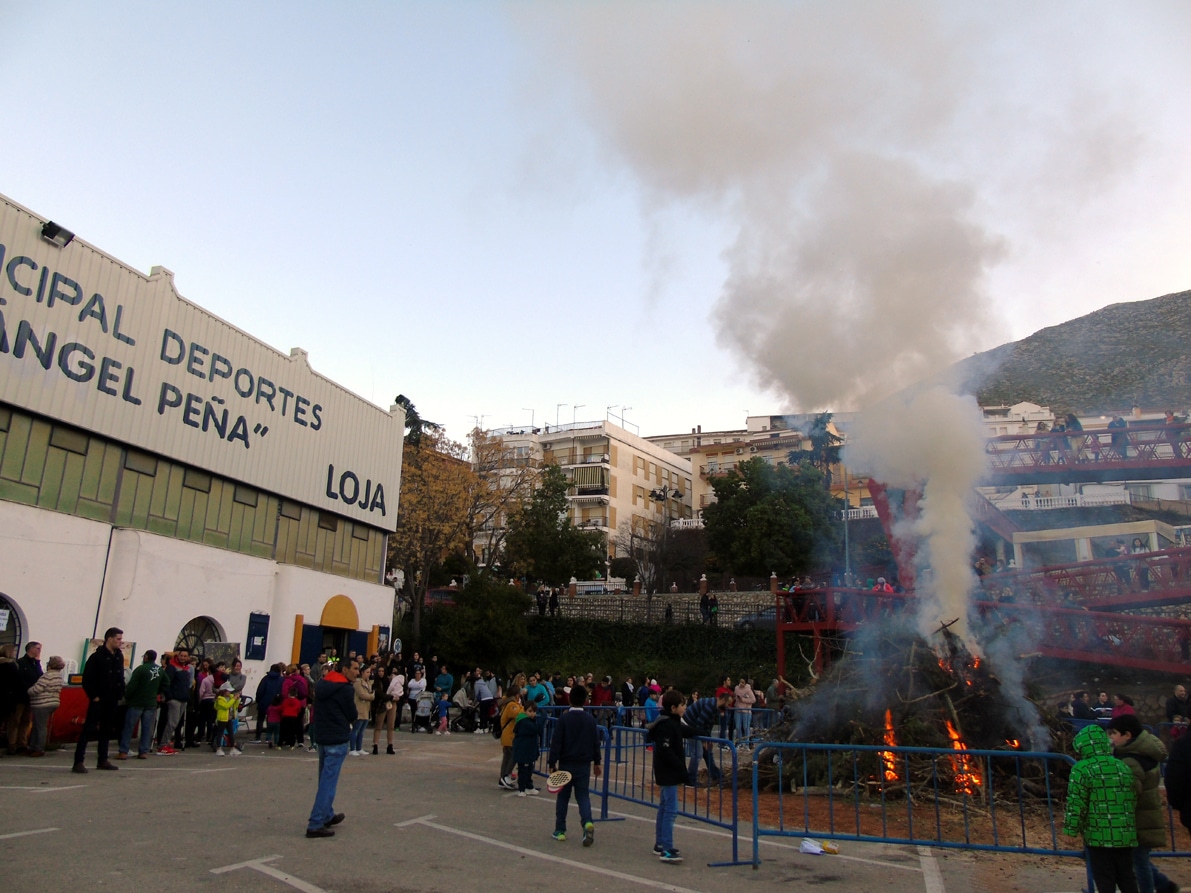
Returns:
point(103, 683)
point(334, 713)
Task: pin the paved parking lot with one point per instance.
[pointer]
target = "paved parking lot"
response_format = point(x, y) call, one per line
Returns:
point(430, 818)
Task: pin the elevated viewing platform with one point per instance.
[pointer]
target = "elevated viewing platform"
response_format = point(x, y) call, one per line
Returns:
point(1141, 452)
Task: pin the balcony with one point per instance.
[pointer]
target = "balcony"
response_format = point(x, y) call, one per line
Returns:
point(590, 523)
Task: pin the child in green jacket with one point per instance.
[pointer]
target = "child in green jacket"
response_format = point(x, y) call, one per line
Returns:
point(1100, 806)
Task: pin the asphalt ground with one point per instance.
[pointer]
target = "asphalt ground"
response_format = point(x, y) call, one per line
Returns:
point(430, 818)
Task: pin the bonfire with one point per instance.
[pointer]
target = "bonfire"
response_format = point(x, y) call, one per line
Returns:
point(896, 688)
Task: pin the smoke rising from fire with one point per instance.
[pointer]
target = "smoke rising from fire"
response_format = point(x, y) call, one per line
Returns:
point(932, 439)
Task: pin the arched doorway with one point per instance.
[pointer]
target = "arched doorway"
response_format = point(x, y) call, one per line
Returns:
point(337, 631)
point(11, 632)
point(197, 633)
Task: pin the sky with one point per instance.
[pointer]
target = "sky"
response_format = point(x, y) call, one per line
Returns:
point(670, 214)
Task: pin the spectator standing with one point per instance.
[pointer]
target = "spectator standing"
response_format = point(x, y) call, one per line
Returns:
point(1122, 705)
point(30, 671)
point(743, 700)
point(1143, 753)
point(11, 692)
point(44, 698)
point(364, 696)
point(267, 691)
point(527, 730)
point(705, 608)
point(554, 601)
point(103, 683)
point(484, 698)
point(145, 688)
point(179, 678)
point(713, 609)
point(702, 715)
point(1178, 711)
point(1080, 708)
point(509, 711)
point(1103, 708)
point(227, 702)
point(575, 748)
point(1100, 808)
point(1178, 779)
point(333, 721)
point(444, 682)
point(669, 770)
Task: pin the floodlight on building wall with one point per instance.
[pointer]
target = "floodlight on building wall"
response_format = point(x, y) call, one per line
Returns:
point(56, 234)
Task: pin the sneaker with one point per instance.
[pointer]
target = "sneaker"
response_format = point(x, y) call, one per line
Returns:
point(479, 731)
point(167, 751)
point(658, 849)
point(219, 752)
point(79, 768)
point(353, 753)
point(447, 732)
point(319, 832)
point(236, 752)
point(362, 753)
point(559, 835)
point(533, 792)
point(588, 834)
point(670, 856)
point(436, 732)
point(507, 784)
point(521, 793)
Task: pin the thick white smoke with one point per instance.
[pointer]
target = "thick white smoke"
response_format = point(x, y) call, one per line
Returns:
point(930, 439)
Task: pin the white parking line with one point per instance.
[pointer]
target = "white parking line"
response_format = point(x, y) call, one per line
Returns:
point(264, 868)
point(41, 790)
point(558, 860)
point(930, 870)
point(27, 833)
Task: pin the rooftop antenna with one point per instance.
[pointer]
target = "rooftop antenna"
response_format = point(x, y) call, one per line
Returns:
point(557, 407)
point(575, 407)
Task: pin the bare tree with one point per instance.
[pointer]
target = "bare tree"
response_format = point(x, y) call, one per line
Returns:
point(505, 478)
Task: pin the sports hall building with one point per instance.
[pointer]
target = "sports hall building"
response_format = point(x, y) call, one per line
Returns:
point(165, 472)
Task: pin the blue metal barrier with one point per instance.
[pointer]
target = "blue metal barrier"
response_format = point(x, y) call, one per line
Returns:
point(628, 775)
point(997, 800)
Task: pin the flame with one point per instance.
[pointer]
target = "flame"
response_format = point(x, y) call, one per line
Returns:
point(1014, 743)
point(975, 663)
point(967, 771)
point(888, 759)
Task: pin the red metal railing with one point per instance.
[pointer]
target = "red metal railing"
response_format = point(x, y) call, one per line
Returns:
point(1125, 449)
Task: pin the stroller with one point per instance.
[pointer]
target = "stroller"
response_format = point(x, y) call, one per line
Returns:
point(424, 712)
point(466, 721)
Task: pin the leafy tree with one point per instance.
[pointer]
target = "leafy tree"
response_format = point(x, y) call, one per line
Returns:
point(505, 481)
point(415, 425)
point(432, 523)
point(541, 543)
point(768, 519)
point(825, 449)
point(488, 625)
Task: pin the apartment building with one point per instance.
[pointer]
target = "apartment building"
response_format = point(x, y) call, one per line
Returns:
point(618, 480)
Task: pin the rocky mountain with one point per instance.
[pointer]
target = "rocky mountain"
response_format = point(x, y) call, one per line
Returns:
point(1132, 354)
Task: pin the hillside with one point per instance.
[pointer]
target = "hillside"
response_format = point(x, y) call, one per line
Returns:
point(1137, 353)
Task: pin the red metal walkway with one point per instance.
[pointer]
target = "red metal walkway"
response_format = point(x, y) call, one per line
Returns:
point(1136, 453)
point(1145, 642)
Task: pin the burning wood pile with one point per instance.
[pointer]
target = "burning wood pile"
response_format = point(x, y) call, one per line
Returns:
point(896, 688)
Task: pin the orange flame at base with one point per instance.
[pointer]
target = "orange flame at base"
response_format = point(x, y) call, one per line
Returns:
point(888, 759)
point(967, 772)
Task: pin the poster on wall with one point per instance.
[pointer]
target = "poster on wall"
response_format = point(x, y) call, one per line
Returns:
point(258, 636)
point(90, 645)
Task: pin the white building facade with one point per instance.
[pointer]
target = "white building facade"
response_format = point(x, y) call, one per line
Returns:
point(164, 472)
